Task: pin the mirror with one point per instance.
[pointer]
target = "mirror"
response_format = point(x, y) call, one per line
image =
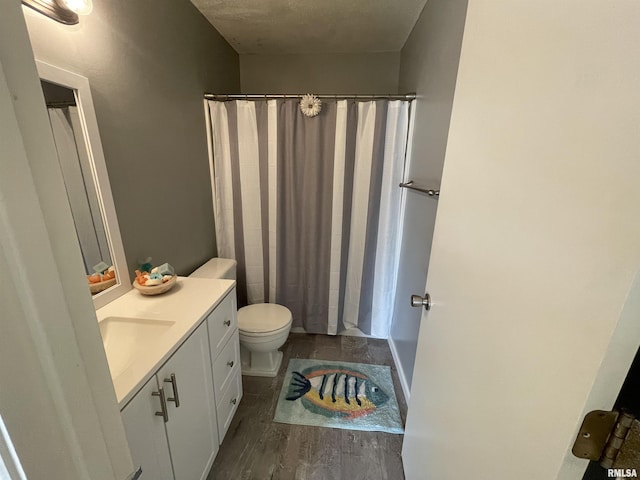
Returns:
point(78, 179)
point(81, 161)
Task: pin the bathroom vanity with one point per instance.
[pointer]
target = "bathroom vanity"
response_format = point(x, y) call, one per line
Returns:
point(175, 364)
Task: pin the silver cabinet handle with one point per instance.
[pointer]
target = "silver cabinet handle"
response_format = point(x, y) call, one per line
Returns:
point(163, 404)
point(230, 363)
point(227, 323)
point(234, 401)
point(174, 384)
point(418, 301)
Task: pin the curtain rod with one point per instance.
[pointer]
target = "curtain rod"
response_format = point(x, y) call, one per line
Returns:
point(228, 97)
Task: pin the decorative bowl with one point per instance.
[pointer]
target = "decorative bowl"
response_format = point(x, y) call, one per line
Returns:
point(155, 289)
point(100, 286)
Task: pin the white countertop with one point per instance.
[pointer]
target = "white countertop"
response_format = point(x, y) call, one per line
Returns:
point(187, 304)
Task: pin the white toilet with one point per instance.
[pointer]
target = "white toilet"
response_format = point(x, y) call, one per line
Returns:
point(263, 327)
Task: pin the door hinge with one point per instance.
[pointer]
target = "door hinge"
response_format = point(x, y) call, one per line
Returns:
point(611, 438)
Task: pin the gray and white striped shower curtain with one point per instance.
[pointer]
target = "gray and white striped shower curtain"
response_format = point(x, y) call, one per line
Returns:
point(310, 207)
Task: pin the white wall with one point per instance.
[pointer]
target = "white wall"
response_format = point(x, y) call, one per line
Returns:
point(61, 412)
point(362, 73)
point(429, 64)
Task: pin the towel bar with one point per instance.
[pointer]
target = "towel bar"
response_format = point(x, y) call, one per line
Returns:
point(431, 192)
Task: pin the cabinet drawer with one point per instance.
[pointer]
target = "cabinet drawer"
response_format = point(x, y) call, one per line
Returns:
point(226, 365)
point(222, 323)
point(229, 404)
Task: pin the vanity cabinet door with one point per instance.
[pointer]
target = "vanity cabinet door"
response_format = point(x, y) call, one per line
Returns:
point(192, 428)
point(146, 434)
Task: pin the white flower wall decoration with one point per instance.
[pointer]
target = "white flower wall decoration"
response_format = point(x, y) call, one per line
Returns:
point(310, 105)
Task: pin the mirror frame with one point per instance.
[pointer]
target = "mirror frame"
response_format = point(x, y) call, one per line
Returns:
point(84, 102)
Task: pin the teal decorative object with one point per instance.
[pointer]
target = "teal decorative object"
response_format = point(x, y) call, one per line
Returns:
point(145, 265)
point(166, 269)
point(101, 267)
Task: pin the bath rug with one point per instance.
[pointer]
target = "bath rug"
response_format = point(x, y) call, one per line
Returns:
point(352, 396)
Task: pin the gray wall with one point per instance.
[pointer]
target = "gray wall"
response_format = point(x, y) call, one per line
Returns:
point(429, 66)
point(148, 64)
point(363, 73)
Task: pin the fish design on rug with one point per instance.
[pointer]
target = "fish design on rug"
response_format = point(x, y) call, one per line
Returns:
point(335, 392)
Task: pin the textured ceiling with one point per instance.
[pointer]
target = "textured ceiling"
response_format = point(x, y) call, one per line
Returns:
point(313, 26)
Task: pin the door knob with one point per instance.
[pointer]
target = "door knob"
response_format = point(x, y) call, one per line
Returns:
point(418, 301)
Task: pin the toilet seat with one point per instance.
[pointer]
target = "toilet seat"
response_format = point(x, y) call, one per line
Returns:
point(255, 335)
point(263, 319)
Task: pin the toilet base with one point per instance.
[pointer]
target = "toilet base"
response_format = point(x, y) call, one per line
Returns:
point(260, 364)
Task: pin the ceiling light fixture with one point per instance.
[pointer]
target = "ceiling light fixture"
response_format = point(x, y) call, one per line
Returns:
point(81, 7)
point(63, 11)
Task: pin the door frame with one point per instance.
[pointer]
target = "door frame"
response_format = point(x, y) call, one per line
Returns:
point(615, 365)
point(50, 311)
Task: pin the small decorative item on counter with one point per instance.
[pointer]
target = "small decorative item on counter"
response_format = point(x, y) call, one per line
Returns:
point(165, 269)
point(109, 274)
point(101, 267)
point(95, 278)
point(145, 265)
point(104, 278)
point(152, 281)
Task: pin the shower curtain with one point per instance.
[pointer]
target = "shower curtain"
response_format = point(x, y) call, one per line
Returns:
point(310, 206)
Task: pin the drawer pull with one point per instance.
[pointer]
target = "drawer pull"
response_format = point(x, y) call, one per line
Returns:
point(234, 401)
point(175, 399)
point(230, 363)
point(227, 323)
point(163, 404)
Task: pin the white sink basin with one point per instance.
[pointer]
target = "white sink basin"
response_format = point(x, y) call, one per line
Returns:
point(125, 338)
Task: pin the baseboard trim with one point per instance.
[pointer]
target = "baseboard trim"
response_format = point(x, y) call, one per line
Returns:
point(401, 374)
point(351, 332)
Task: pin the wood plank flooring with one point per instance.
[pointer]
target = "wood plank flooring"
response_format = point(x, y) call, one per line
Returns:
point(256, 448)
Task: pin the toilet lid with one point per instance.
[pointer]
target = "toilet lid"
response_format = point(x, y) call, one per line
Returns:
point(263, 318)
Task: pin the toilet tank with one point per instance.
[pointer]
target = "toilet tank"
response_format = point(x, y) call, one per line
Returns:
point(217, 268)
